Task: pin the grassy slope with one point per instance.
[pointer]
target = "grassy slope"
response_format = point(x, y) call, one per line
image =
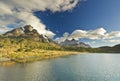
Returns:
point(27, 50)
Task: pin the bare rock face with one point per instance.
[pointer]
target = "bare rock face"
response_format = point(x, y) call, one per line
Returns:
point(20, 31)
point(27, 32)
point(28, 28)
point(75, 43)
point(14, 32)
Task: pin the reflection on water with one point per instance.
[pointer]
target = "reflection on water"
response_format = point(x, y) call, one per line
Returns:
point(89, 67)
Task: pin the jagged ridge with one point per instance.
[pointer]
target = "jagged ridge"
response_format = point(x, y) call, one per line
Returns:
point(75, 43)
point(27, 32)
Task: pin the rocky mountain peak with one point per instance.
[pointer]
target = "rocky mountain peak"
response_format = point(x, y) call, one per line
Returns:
point(21, 31)
point(14, 32)
point(27, 32)
point(75, 43)
point(73, 39)
point(28, 28)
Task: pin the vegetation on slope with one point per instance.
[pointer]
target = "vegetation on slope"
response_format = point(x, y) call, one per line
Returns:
point(25, 50)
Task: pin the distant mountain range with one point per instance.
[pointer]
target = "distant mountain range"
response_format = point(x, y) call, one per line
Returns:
point(74, 43)
point(113, 49)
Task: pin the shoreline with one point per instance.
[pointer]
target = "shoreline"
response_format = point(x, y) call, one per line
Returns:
point(36, 55)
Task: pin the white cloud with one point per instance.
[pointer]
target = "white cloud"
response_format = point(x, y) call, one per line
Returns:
point(12, 11)
point(97, 34)
point(4, 29)
point(91, 42)
point(113, 34)
point(42, 5)
point(63, 38)
point(112, 40)
point(4, 9)
point(91, 34)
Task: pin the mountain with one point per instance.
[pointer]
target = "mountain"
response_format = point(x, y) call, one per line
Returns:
point(27, 32)
point(113, 49)
point(74, 43)
point(26, 39)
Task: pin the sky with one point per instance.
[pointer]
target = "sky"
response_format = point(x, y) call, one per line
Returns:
point(95, 22)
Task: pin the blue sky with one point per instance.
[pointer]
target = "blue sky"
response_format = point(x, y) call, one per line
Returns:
point(95, 22)
point(88, 15)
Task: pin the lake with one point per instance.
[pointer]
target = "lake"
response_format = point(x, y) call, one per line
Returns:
point(84, 67)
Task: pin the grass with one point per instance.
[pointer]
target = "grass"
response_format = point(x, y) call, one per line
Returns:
point(35, 55)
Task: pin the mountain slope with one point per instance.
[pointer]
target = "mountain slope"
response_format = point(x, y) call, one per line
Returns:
point(75, 43)
point(27, 32)
point(26, 38)
point(113, 49)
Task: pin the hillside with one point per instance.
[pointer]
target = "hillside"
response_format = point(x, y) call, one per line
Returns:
point(25, 39)
point(113, 49)
point(25, 44)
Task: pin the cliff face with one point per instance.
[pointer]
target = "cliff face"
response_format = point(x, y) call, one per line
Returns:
point(75, 43)
point(27, 32)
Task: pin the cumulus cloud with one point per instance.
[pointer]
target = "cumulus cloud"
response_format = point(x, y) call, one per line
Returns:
point(63, 38)
point(4, 29)
point(97, 34)
point(113, 41)
point(4, 9)
point(14, 12)
point(113, 34)
point(91, 34)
